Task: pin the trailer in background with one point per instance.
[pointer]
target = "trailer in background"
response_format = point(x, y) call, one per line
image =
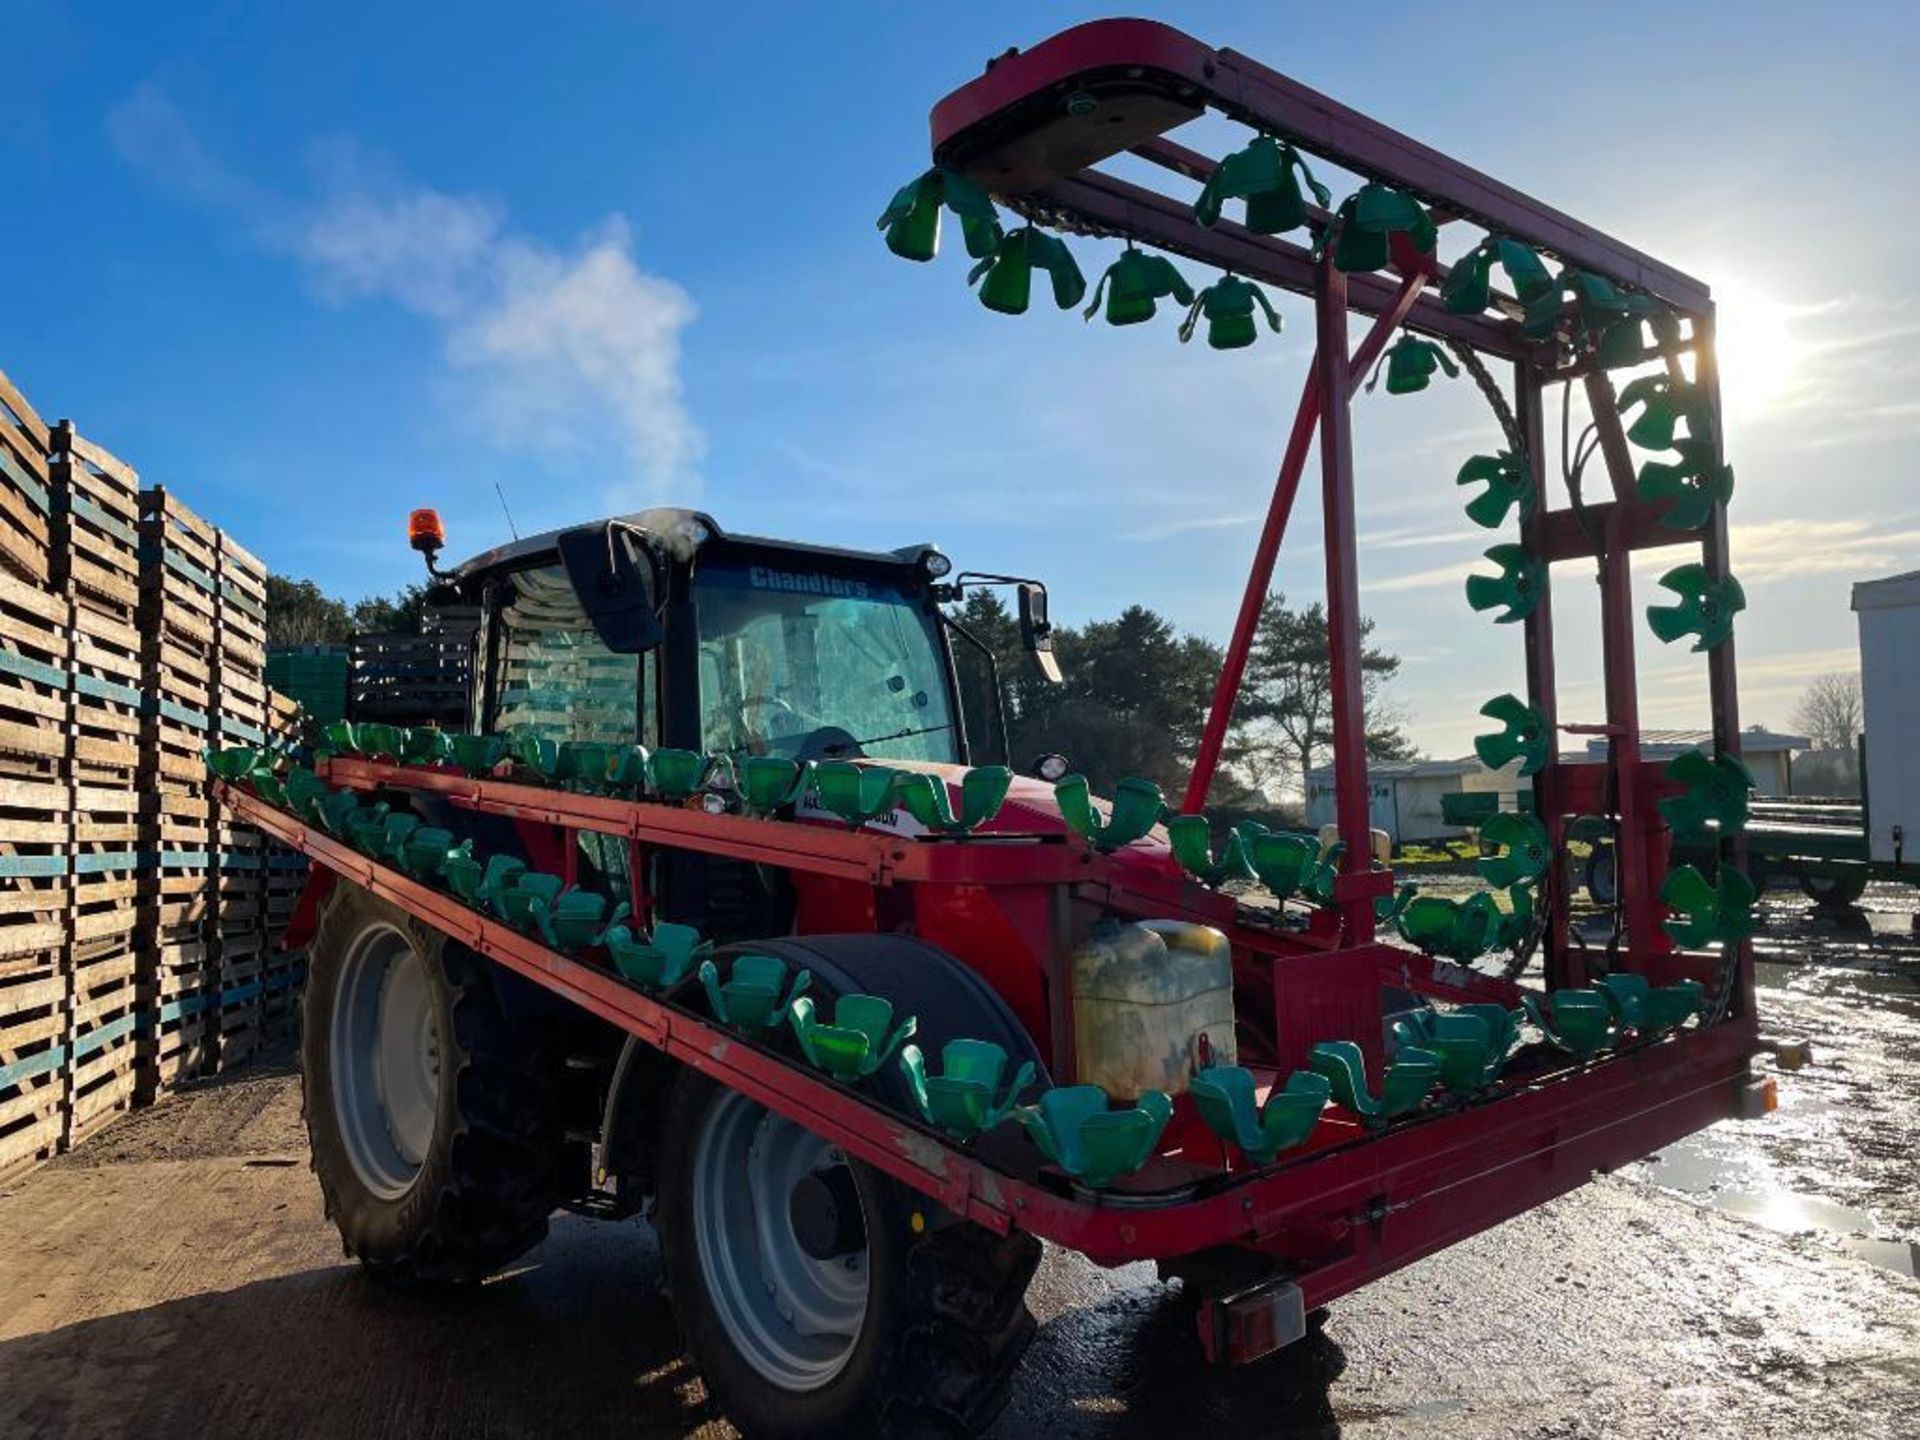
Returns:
point(1889, 612)
point(1835, 847)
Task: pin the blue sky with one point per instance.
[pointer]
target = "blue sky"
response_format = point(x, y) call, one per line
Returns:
point(311, 267)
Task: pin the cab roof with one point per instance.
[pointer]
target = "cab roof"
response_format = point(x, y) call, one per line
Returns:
point(681, 529)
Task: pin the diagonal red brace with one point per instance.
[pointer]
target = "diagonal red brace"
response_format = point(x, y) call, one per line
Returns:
point(1226, 691)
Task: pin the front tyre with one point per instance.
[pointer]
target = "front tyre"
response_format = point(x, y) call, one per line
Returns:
point(820, 1297)
point(432, 1126)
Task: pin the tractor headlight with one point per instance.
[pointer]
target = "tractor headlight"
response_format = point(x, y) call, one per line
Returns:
point(935, 564)
point(1052, 768)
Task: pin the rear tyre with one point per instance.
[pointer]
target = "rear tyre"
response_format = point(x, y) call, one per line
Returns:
point(820, 1297)
point(1833, 892)
point(1602, 888)
point(433, 1129)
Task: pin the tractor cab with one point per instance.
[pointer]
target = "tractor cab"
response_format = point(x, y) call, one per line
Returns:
point(660, 628)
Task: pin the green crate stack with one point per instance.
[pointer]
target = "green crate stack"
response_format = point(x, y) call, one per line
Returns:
point(314, 677)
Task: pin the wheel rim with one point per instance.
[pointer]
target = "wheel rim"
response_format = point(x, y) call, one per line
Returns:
point(385, 1057)
point(793, 1317)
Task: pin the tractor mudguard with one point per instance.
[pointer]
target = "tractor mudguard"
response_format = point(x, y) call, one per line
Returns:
point(949, 1000)
point(306, 910)
point(519, 999)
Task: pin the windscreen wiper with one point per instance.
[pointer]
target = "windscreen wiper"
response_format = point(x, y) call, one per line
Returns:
point(845, 745)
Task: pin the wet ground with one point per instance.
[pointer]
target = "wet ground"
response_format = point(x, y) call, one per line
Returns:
point(175, 1279)
point(1841, 1157)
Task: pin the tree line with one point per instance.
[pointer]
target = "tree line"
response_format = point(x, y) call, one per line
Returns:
point(1136, 694)
point(299, 612)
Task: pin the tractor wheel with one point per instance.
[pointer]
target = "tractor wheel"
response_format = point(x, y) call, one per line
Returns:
point(820, 1297)
point(1833, 892)
point(432, 1125)
point(1601, 869)
point(817, 1295)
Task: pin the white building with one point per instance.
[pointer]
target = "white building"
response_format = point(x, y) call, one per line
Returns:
point(1767, 755)
point(1403, 796)
point(1406, 798)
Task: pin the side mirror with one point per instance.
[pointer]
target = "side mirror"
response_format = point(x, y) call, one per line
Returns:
point(611, 567)
point(1036, 632)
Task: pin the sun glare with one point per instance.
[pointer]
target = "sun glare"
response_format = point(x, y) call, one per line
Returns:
point(1759, 353)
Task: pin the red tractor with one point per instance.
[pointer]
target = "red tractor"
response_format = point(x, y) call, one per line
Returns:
point(711, 914)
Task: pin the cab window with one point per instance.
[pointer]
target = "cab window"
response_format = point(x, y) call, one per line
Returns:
point(800, 662)
point(554, 678)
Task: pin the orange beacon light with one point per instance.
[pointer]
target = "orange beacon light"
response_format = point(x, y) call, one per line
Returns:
point(425, 533)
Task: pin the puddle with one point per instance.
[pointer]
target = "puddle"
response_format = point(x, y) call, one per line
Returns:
point(1737, 1184)
point(1837, 1158)
point(1793, 1214)
point(1900, 1256)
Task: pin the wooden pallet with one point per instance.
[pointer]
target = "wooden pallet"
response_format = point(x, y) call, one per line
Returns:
point(283, 979)
point(177, 859)
point(24, 500)
point(35, 653)
point(179, 565)
point(178, 666)
point(96, 526)
point(239, 883)
point(240, 705)
point(103, 1044)
point(33, 1055)
point(240, 998)
point(285, 879)
point(172, 737)
point(286, 721)
point(36, 829)
point(108, 692)
point(106, 862)
point(242, 582)
point(178, 1033)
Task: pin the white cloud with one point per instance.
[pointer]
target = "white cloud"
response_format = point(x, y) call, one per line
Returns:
point(1165, 530)
point(564, 334)
point(1454, 574)
point(550, 350)
point(150, 133)
point(1777, 549)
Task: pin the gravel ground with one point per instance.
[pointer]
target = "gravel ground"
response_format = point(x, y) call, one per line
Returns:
point(175, 1278)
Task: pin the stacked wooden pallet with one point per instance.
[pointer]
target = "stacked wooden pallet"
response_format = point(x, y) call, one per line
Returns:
point(95, 572)
point(205, 657)
point(36, 800)
point(179, 631)
point(239, 715)
point(139, 931)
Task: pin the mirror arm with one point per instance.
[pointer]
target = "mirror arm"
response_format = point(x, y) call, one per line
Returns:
point(1036, 638)
point(993, 679)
